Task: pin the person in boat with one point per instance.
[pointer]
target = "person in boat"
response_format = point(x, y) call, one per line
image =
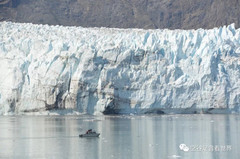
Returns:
point(89, 131)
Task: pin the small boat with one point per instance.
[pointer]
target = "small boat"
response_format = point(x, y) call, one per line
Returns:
point(90, 133)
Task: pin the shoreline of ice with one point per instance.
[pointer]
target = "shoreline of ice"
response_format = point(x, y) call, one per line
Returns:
point(94, 70)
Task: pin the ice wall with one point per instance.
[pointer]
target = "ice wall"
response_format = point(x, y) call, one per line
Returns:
point(94, 70)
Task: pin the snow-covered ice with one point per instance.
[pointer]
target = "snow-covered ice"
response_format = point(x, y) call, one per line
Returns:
point(87, 70)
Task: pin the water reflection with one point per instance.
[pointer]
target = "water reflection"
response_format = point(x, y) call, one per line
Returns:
point(121, 137)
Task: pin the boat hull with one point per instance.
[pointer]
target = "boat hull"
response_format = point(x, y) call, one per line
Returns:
point(89, 135)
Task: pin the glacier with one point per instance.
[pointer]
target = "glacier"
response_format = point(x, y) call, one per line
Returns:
point(117, 71)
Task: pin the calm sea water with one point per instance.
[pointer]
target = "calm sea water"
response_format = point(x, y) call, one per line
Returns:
point(122, 137)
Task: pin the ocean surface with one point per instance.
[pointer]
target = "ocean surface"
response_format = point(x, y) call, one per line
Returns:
point(122, 137)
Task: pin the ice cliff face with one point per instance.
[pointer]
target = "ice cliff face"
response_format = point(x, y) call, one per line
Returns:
point(94, 70)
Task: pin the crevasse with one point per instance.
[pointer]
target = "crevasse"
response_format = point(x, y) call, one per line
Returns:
point(95, 70)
